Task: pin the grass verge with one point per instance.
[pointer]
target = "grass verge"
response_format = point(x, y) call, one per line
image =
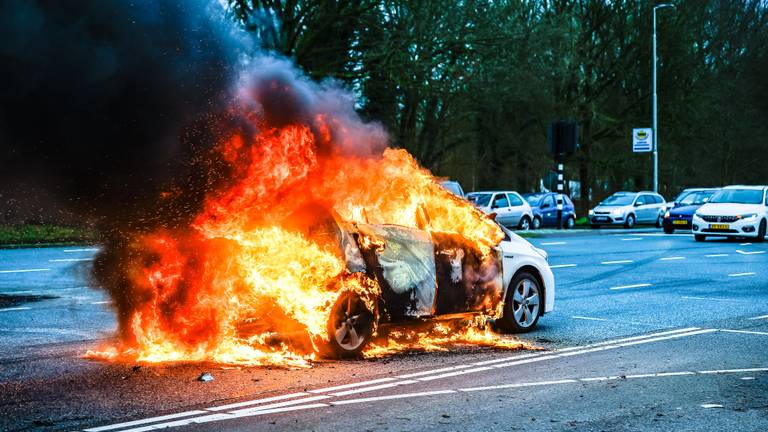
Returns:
point(44, 235)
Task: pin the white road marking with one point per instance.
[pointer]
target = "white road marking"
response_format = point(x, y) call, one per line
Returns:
point(81, 250)
point(374, 388)
point(711, 406)
point(631, 239)
point(389, 397)
point(553, 243)
point(744, 332)
point(257, 401)
point(728, 371)
point(589, 318)
point(747, 378)
point(25, 270)
point(434, 371)
point(506, 386)
point(750, 253)
point(674, 258)
point(617, 262)
point(100, 302)
point(456, 373)
point(70, 259)
point(745, 244)
point(562, 266)
point(710, 298)
point(716, 255)
point(631, 286)
point(15, 309)
point(659, 374)
point(760, 317)
point(741, 274)
point(145, 421)
point(299, 404)
point(352, 385)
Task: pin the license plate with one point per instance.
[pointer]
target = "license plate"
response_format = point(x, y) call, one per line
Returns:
point(680, 222)
point(601, 218)
point(719, 226)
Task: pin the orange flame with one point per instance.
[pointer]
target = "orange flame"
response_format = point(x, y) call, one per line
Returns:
point(245, 284)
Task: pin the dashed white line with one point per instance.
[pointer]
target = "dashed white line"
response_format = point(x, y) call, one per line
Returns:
point(100, 302)
point(631, 239)
point(25, 270)
point(145, 421)
point(352, 385)
point(81, 250)
point(507, 386)
point(760, 317)
point(741, 274)
point(716, 255)
point(711, 406)
point(617, 262)
point(631, 286)
point(562, 266)
point(70, 259)
point(749, 253)
point(257, 401)
point(674, 258)
point(745, 332)
point(553, 243)
point(279, 404)
point(373, 388)
point(14, 309)
point(745, 244)
point(589, 318)
point(709, 298)
point(389, 397)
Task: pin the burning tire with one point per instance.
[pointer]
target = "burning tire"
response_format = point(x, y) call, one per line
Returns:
point(351, 326)
point(522, 306)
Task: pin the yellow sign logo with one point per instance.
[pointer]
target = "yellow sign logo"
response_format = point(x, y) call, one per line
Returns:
point(641, 134)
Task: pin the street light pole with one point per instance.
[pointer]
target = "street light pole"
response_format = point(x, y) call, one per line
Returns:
point(655, 115)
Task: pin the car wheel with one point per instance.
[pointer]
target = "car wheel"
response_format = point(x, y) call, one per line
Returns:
point(525, 223)
point(536, 223)
point(669, 230)
point(630, 222)
point(659, 221)
point(761, 232)
point(699, 237)
point(570, 222)
point(350, 326)
point(523, 304)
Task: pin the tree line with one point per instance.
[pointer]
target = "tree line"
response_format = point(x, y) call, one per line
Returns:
point(469, 87)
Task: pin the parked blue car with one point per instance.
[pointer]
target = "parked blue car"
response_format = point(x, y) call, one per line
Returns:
point(544, 208)
point(685, 205)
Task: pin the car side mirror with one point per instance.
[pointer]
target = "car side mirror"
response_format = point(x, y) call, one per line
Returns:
point(675, 204)
point(637, 204)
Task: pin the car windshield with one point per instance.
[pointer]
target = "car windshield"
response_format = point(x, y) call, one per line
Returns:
point(452, 187)
point(480, 199)
point(738, 196)
point(695, 198)
point(533, 199)
point(619, 200)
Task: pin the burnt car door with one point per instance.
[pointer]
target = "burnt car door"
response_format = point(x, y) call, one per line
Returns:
point(467, 279)
point(402, 260)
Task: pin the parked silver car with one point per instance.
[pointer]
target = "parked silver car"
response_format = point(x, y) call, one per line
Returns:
point(510, 207)
point(628, 209)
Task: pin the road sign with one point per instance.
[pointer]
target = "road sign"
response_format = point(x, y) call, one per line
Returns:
point(642, 140)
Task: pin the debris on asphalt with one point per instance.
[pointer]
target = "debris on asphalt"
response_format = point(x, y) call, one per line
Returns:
point(205, 377)
point(136, 368)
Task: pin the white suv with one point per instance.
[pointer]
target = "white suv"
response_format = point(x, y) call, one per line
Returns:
point(733, 211)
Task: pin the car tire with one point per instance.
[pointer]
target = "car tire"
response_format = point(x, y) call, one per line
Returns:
point(350, 326)
point(536, 224)
point(668, 230)
point(659, 221)
point(761, 232)
point(570, 222)
point(699, 237)
point(523, 304)
point(630, 222)
point(525, 224)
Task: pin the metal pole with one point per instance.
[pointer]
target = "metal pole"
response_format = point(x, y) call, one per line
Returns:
point(560, 159)
point(655, 128)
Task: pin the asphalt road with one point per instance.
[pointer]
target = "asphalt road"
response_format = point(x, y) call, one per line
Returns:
point(649, 332)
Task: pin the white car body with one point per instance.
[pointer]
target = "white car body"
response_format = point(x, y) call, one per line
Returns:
point(636, 207)
point(511, 209)
point(733, 219)
point(518, 254)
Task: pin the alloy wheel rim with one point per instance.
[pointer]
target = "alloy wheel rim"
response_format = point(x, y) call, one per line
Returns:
point(351, 323)
point(525, 302)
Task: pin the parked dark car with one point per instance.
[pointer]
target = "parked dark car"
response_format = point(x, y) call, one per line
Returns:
point(544, 208)
point(684, 206)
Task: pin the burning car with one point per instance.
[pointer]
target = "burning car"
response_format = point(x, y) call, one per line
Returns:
point(427, 275)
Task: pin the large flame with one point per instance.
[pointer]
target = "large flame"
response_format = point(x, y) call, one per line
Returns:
point(245, 283)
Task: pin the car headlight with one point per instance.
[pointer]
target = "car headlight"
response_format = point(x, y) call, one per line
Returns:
point(666, 215)
point(747, 216)
point(591, 212)
point(698, 215)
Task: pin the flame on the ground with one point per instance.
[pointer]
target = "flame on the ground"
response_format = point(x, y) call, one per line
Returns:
point(245, 283)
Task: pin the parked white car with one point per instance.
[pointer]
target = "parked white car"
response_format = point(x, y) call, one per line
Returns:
point(733, 211)
point(511, 209)
point(628, 209)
